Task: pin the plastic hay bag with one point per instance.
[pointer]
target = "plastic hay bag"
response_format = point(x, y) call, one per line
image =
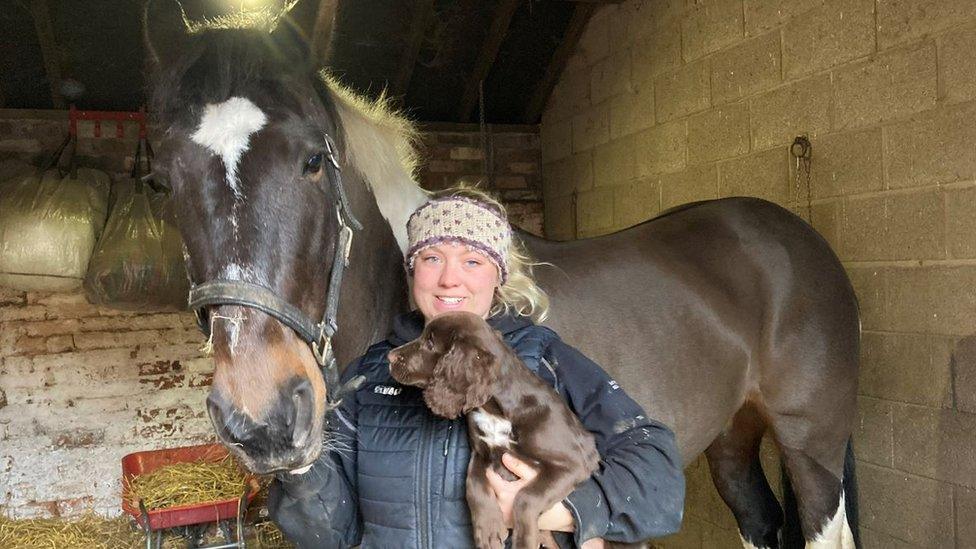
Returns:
point(138, 262)
point(48, 228)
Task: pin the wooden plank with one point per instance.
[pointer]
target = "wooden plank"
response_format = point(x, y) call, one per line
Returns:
point(537, 101)
point(489, 51)
point(423, 11)
point(49, 49)
point(321, 44)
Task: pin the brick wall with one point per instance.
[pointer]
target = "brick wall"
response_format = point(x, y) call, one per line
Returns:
point(670, 101)
point(455, 153)
point(80, 387)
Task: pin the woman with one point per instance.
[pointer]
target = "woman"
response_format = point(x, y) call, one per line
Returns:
point(394, 474)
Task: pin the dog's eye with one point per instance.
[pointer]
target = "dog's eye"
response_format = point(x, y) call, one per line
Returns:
point(430, 342)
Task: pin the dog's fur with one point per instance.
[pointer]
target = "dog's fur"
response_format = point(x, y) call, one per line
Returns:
point(464, 367)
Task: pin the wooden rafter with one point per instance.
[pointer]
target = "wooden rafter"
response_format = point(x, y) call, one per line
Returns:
point(489, 51)
point(537, 101)
point(423, 11)
point(49, 49)
point(321, 42)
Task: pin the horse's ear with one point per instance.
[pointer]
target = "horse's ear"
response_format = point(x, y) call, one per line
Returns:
point(164, 30)
point(291, 43)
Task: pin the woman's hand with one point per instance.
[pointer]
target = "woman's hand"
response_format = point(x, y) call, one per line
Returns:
point(557, 518)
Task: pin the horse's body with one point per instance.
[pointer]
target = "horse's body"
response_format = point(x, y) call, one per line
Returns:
point(723, 319)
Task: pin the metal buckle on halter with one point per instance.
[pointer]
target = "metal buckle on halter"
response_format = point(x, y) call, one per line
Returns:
point(322, 348)
point(323, 352)
point(346, 235)
point(330, 148)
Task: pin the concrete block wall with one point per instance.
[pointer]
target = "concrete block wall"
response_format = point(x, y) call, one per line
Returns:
point(671, 101)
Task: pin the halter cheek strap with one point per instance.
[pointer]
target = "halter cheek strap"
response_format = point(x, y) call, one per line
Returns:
point(317, 334)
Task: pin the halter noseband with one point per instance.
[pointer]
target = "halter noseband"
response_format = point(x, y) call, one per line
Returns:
point(317, 334)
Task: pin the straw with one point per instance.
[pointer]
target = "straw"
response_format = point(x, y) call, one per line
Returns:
point(188, 483)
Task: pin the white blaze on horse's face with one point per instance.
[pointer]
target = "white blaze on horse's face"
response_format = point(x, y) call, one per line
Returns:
point(226, 129)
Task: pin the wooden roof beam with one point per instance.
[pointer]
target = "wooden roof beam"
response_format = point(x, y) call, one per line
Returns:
point(537, 101)
point(423, 11)
point(49, 49)
point(489, 51)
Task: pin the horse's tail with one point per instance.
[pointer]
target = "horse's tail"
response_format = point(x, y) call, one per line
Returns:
point(792, 533)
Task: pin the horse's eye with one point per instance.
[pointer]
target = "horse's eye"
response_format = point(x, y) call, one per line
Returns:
point(314, 164)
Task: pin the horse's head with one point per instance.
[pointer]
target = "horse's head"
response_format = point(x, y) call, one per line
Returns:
point(246, 150)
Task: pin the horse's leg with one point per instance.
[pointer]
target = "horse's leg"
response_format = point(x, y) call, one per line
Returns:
point(813, 445)
point(819, 500)
point(733, 459)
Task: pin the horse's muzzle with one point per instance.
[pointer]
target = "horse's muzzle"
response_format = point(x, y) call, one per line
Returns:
point(279, 439)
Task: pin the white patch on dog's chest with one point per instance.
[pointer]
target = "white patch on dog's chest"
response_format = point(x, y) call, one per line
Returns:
point(495, 431)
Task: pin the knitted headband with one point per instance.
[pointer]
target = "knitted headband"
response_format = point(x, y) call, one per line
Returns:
point(464, 220)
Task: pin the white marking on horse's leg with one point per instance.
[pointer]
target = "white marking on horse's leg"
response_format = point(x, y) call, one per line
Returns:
point(836, 532)
point(225, 129)
point(748, 545)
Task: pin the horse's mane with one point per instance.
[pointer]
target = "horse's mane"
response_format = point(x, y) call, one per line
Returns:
point(380, 145)
point(376, 141)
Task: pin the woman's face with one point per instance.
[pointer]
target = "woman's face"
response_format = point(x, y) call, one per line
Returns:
point(450, 277)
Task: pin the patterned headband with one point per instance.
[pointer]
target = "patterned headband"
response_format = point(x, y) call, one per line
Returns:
point(464, 220)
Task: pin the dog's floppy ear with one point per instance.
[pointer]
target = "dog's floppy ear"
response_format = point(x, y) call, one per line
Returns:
point(463, 379)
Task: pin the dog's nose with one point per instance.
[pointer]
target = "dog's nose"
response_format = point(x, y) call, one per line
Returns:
point(393, 357)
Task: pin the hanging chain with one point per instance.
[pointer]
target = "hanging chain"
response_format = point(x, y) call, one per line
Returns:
point(802, 151)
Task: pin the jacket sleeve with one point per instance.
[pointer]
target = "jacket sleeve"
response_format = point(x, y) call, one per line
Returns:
point(638, 491)
point(320, 508)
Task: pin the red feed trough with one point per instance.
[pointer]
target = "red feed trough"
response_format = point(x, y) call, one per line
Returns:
point(141, 463)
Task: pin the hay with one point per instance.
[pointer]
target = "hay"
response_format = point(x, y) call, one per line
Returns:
point(188, 483)
point(269, 536)
point(93, 532)
point(89, 531)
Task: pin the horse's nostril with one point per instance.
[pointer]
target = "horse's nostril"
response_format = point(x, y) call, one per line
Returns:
point(231, 434)
point(303, 407)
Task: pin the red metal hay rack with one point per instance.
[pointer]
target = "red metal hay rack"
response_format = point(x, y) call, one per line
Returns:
point(71, 138)
point(155, 521)
point(74, 115)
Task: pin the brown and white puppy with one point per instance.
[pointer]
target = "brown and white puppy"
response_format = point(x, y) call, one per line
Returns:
point(464, 367)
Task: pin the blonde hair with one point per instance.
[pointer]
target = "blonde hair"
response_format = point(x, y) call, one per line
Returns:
point(520, 295)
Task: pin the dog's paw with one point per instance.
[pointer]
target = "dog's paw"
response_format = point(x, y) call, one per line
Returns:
point(489, 536)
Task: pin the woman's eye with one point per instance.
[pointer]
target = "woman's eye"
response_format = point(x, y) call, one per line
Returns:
point(472, 263)
point(430, 259)
point(314, 164)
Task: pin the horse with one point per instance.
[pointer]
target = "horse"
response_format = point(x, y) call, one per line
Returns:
point(725, 319)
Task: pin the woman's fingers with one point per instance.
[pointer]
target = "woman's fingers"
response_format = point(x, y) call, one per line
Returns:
point(519, 468)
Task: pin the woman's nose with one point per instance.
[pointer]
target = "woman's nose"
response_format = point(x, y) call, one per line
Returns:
point(449, 275)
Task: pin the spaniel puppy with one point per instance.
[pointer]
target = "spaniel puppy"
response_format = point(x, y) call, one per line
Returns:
point(464, 367)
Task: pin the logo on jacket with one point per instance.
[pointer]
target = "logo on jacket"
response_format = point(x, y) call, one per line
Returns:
point(386, 390)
